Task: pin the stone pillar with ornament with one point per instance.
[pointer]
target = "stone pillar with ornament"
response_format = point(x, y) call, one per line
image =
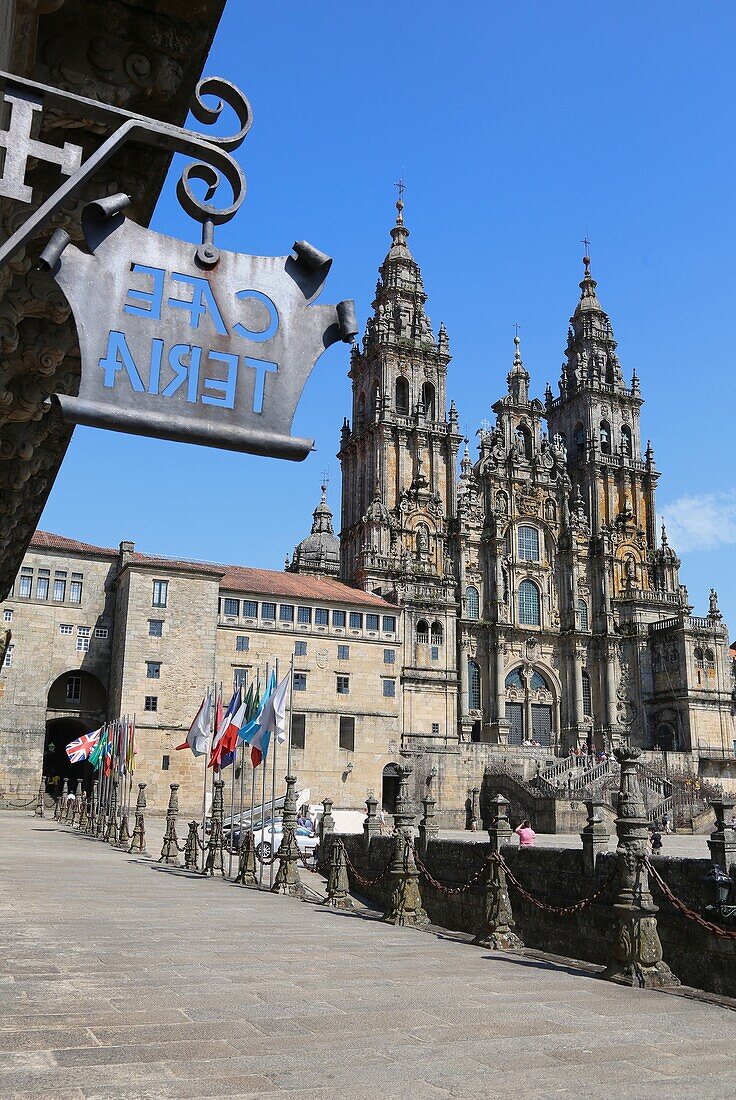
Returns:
point(138, 840)
point(287, 879)
point(637, 951)
point(722, 841)
point(497, 925)
point(39, 811)
point(405, 900)
point(371, 825)
point(170, 846)
point(327, 821)
point(428, 828)
point(595, 836)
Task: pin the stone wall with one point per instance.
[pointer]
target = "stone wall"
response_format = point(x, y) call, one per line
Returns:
point(556, 876)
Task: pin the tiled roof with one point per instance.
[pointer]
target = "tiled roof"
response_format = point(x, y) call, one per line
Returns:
point(45, 540)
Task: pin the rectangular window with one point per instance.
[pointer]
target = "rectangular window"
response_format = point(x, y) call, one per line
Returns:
point(160, 594)
point(338, 618)
point(321, 616)
point(25, 582)
point(59, 589)
point(300, 649)
point(435, 728)
point(83, 631)
point(434, 653)
point(242, 643)
point(356, 620)
point(153, 670)
point(298, 730)
point(250, 609)
point(389, 656)
point(371, 622)
point(389, 689)
point(165, 761)
point(343, 653)
point(300, 681)
point(268, 610)
point(7, 615)
point(528, 542)
point(286, 612)
point(347, 733)
point(231, 607)
point(304, 615)
point(240, 678)
point(389, 624)
point(155, 628)
point(82, 644)
point(75, 588)
point(343, 685)
point(101, 632)
point(66, 628)
point(74, 689)
point(151, 703)
point(8, 662)
point(42, 584)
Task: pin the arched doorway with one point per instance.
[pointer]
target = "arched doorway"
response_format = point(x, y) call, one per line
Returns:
point(390, 788)
point(76, 704)
point(530, 708)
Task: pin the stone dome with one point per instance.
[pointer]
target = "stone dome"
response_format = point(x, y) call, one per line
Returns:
point(319, 552)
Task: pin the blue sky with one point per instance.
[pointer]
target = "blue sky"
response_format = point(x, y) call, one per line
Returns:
point(516, 127)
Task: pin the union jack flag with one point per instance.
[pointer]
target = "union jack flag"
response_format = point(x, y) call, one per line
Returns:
point(79, 750)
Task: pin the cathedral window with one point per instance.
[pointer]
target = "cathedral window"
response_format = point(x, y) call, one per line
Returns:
point(402, 396)
point(579, 438)
point(583, 615)
point(422, 632)
point(605, 437)
point(710, 659)
point(538, 682)
point(528, 543)
point(428, 400)
point(587, 698)
point(698, 655)
point(437, 633)
point(515, 680)
point(524, 441)
point(529, 609)
point(626, 448)
point(473, 685)
point(472, 603)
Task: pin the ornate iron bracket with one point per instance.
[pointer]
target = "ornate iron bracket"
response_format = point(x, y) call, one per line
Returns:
point(27, 100)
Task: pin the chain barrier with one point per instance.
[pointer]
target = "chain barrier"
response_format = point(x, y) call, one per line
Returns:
point(559, 910)
point(360, 879)
point(690, 914)
point(446, 890)
point(19, 805)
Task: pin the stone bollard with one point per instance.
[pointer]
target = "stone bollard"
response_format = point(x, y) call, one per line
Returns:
point(111, 833)
point(327, 822)
point(247, 861)
point(428, 830)
point(215, 858)
point(338, 886)
point(595, 836)
point(39, 811)
point(61, 802)
point(722, 841)
point(405, 901)
point(371, 825)
point(138, 840)
point(287, 879)
point(77, 807)
point(170, 847)
point(92, 811)
point(497, 927)
point(474, 812)
point(124, 836)
point(82, 823)
point(637, 952)
point(192, 847)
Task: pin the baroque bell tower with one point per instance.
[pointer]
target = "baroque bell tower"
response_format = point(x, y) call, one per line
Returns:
point(398, 459)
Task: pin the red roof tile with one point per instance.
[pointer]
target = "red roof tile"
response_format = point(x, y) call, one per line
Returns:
point(45, 540)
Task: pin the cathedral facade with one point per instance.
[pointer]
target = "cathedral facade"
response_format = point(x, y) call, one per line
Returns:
point(542, 607)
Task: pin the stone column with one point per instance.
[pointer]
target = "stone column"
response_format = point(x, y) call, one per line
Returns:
point(595, 836)
point(61, 801)
point(327, 822)
point(215, 857)
point(39, 811)
point(464, 683)
point(170, 846)
point(722, 841)
point(498, 681)
point(474, 809)
point(111, 833)
point(92, 812)
point(138, 840)
point(247, 875)
point(287, 879)
point(338, 885)
point(371, 825)
point(428, 829)
point(192, 846)
point(404, 817)
point(637, 952)
point(609, 682)
point(497, 924)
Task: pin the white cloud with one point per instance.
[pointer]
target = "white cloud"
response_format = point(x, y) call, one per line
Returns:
point(701, 522)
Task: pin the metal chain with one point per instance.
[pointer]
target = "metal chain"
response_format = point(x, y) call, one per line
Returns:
point(559, 910)
point(359, 878)
point(447, 890)
point(690, 914)
point(19, 805)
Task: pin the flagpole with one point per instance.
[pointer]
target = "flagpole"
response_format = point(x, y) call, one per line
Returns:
point(291, 710)
point(232, 809)
point(263, 803)
point(273, 785)
point(204, 777)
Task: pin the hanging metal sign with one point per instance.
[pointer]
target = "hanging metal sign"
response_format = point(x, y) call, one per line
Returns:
point(177, 341)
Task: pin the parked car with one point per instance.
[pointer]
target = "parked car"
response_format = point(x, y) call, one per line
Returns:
point(269, 838)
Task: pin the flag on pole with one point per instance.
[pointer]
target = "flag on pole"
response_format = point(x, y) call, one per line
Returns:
point(199, 732)
point(97, 754)
point(229, 743)
point(249, 730)
point(80, 749)
point(130, 760)
point(222, 727)
point(110, 748)
point(271, 722)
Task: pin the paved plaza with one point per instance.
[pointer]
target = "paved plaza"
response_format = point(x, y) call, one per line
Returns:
point(119, 978)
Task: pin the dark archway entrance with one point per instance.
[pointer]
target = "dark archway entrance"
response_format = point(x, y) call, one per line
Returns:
point(76, 704)
point(56, 764)
point(390, 788)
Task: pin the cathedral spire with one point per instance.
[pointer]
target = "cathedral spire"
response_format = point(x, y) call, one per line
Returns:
point(518, 376)
point(591, 347)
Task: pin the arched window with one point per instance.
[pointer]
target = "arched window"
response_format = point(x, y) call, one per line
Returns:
point(538, 682)
point(605, 437)
point(587, 698)
point(626, 449)
point(502, 504)
point(698, 655)
point(515, 680)
point(402, 396)
point(423, 632)
point(583, 615)
point(437, 633)
point(472, 602)
point(360, 416)
point(610, 377)
point(579, 438)
point(428, 400)
point(528, 542)
point(524, 441)
point(710, 658)
point(529, 611)
point(473, 686)
point(523, 703)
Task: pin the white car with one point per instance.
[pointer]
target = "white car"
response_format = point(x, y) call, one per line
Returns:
point(269, 838)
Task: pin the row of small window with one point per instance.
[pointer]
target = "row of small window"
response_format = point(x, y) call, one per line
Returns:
point(231, 608)
point(342, 684)
point(346, 735)
point(704, 658)
point(425, 634)
point(529, 604)
point(83, 634)
point(43, 585)
point(301, 648)
point(605, 436)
